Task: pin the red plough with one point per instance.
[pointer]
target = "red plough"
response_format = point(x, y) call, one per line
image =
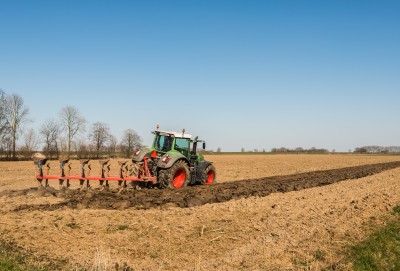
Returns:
point(143, 174)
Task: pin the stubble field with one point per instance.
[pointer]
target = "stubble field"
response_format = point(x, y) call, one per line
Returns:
point(300, 229)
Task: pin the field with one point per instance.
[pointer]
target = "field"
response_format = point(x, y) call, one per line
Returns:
point(268, 222)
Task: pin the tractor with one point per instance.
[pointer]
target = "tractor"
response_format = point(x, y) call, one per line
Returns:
point(174, 161)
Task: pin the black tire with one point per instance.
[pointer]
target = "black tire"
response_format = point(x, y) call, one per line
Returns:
point(175, 177)
point(209, 175)
point(134, 169)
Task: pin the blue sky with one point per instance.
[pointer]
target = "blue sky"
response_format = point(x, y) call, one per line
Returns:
point(252, 74)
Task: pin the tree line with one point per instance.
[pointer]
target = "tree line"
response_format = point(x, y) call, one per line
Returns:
point(377, 149)
point(300, 149)
point(58, 135)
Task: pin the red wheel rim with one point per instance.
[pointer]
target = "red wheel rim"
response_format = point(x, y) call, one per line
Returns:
point(179, 178)
point(211, 176)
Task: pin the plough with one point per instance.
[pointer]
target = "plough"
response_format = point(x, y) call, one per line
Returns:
point(142, 175)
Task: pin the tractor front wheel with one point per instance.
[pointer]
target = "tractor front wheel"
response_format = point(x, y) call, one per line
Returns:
point(175, 177)
point(209, 175)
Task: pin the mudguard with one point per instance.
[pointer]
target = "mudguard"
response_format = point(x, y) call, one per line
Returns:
point(142, 153)
point(173, 157)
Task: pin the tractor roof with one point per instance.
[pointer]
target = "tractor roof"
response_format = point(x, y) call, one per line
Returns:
point(175, 134)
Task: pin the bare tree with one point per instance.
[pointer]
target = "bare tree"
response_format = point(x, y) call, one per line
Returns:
point(16, 115)
point(99, 135)
point(50, 131)
point(6, 146)
point(31, 140)
point(4, 125)
point(72, 122)
point(112, 144)
point(131, 140)
point(5, 129)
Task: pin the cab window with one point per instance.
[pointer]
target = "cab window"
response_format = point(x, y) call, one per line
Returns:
point(181, 144)
point(163, 143)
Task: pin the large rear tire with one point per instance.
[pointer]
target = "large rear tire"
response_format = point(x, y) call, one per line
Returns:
point(209, 175)
point(175, 177)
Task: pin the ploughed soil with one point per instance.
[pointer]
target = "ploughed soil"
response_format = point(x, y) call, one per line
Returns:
point(195, 195)
point(299, 230)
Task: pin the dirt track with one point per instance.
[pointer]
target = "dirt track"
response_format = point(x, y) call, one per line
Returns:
point(199, 195)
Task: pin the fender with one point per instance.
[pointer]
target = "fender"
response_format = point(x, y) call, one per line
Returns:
point(172, 159)
point(142, 153)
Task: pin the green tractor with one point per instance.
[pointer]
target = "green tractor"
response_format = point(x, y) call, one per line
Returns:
point(172, 162)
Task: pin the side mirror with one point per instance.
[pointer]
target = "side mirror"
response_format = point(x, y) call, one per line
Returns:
point(204, 145)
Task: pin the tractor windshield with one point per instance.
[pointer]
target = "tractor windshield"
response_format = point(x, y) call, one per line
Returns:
point(163, 143)
point(182, 145)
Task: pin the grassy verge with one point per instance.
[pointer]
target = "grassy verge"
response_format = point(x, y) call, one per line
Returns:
point(381, 251)
point(14, 259)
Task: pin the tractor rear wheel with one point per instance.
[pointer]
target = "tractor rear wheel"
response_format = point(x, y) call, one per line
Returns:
point(175, 177)
point(209, 175)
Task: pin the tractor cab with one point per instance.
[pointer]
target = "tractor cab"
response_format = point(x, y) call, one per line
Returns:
point(166, 141)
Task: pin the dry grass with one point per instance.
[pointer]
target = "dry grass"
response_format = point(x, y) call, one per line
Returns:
point(102, 261)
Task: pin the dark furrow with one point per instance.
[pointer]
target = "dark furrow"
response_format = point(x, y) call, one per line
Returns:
point(200, 195)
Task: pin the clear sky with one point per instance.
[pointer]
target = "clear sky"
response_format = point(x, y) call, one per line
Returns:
point(252, 74)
